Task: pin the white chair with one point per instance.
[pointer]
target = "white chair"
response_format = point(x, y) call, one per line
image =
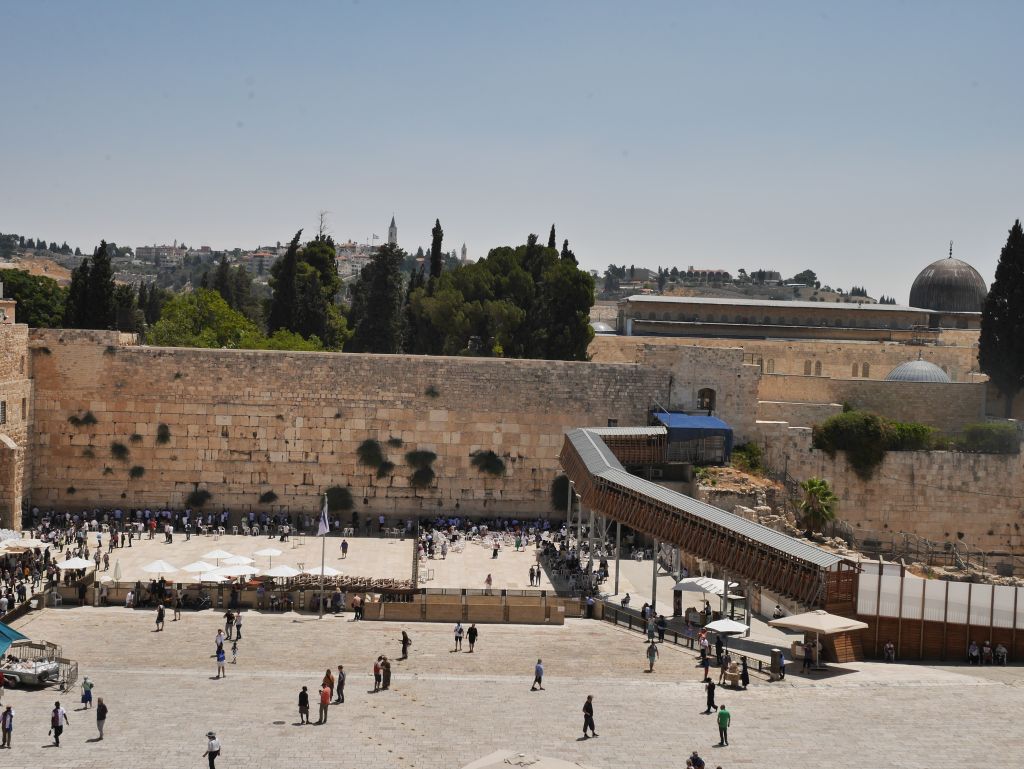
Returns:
point(234, 530)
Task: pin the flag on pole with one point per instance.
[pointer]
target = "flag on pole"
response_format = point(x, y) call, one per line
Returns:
point(324, 525)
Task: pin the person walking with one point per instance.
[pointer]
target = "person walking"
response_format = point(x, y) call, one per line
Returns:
point(652, 628)
point(662, 627)
point(377, 670)
point(58, 719)
point(229, 623)
point(340, 684)
point(652, 655)
point(101, 716)
point(471, 636)
point(706, 665)
point(719, 648)
point(489, 581)
point(709, 687)
point(238, 626)
point(304, 706)
point(385, 673)
point(234, 652)
point(808, 657)
point(533, 574)
point(724, 719)
point(159, 617)
point(744, 673)
point(221, 658)
point(328, 681)
point(588, 716)
point(86, 693)
point(219, 640)
point(212, 749)
point(406, 643)
point(177, 605)
point(726, 663)
point(325, 702)
point(458, 636)
point(7, 726)
point(538, 676)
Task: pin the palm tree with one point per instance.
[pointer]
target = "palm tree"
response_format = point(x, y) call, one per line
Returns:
point(818, 505)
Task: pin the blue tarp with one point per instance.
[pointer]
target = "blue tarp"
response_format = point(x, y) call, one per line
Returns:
point(691, 427)
point(8, 636)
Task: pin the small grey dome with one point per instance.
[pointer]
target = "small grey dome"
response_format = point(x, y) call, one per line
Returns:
point(949, 285)
point(918, 371)
point(602, 328)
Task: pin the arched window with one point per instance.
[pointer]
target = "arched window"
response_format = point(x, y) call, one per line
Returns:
point(807, 368)
point(771, 365)
point(706, 399)
point(650, 316)
point(666, 316)
point(817, 368)
point(865, 370)
point(854, 369)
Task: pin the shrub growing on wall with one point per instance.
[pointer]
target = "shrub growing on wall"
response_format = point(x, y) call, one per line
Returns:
point(119, 450)
point(859, 434)
point(989, 438)
point(268, 498)
point(370, 453)
point(137, 472)
point(488, 462)
point(163, 434)
point(421, 462)
point(339, 499)
point(198, 498)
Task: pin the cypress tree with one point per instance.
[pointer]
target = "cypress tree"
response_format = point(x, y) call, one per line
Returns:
point(552, 242)
point(376, 317)
point(222, 282)
point(1001, 345)
point(283, 300)
point(99, 310)
point(568, 255)
point(74, 307)
point(436, 259)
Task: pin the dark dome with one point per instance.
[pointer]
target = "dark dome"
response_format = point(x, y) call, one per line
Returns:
point(917, 371)
point(949, 285)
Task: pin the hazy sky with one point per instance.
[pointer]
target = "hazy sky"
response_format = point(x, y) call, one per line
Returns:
point(853, 138)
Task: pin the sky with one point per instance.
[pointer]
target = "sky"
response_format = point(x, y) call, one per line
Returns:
point(855, 139)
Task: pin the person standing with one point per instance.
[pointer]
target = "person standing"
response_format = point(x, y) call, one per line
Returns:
point(538, 676)
point(406, 643)
point(719, 648)
point(340, 684)
point(234, 652)
point(652, 655)
point(212, 749)
point(238, 626)
point(7, 726)
point(726, 663)
point(709, 687)
point(458, 636)
point(385, 672)
point(706, 665)
point(328, 681)
point(377, 674)
point(221, 658)
point(724, 719)
point(159, 617)
point(344, 548)
point(782, 665)
point(533, 574)
point(325, 702)
point(744, 673)
point(808, 657)
point(662, 627)
point(471, 636)
point(86, 693)
point(177, 605)
point(304, 706)
point(219, 640)
point(489, 581)
point(588, 716)
point(101, 715)
point(58, 719)
point(229, 623)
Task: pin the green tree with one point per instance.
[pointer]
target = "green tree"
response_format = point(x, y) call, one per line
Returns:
point(222, 282)
point(78, 297)
point(284, 296)
point(817, 507)
point(127, 316)
point(40, 299)
point(99, 309)
point(552, 240)
point(436, 259)
point(1001, 345)
point(567, 254)
point(376, 316)
point(203, 319)
point(565, 301)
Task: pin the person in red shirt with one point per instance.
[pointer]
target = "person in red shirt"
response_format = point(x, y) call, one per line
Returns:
point(325, 701)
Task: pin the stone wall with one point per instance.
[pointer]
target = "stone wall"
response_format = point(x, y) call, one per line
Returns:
point(938, 495)
point(947, 407)
point(16, 396)
point(955, 353)
point(247, 422)
point(797, 414)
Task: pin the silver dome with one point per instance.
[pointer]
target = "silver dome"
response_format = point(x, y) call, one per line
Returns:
point(918, 371)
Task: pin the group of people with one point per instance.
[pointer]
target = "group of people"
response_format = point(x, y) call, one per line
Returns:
point(985, 654)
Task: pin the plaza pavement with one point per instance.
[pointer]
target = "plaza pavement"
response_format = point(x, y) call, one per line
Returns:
point(448, 709)
point(367, 557)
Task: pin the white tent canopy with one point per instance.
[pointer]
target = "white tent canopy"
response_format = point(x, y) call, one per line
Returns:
point(218, 555)
point(198, 567)
point(819, 621)
point(328, 571)
point(726, 627)
point(236, 570)
point(238, 560)
point(268, 552)
point(159, 567)
point(282, 571)
point(703, 585)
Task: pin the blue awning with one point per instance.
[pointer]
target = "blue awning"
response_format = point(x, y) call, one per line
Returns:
point(692, 427)
point(9, 635)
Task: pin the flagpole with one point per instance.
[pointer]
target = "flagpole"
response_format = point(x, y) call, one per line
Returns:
point(323, 555)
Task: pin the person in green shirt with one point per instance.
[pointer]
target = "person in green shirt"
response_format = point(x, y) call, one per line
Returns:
point(724, 719)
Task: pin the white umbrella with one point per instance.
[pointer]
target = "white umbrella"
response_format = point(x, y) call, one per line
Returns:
point(117, 570)
point(703, 585)
point(74, 563)
point(238, 560)
point(159, 567)
point(236, 570)
point(218, 555)
point(268, 552)
point(726, 627)
point(211, 576)
point(198, 567)
point(282, 571)
point(327, 571)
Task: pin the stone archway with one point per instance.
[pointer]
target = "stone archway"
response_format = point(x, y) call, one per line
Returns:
point(10, 482)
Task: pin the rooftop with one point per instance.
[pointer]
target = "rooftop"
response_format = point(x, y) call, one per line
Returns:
point(774, 303)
